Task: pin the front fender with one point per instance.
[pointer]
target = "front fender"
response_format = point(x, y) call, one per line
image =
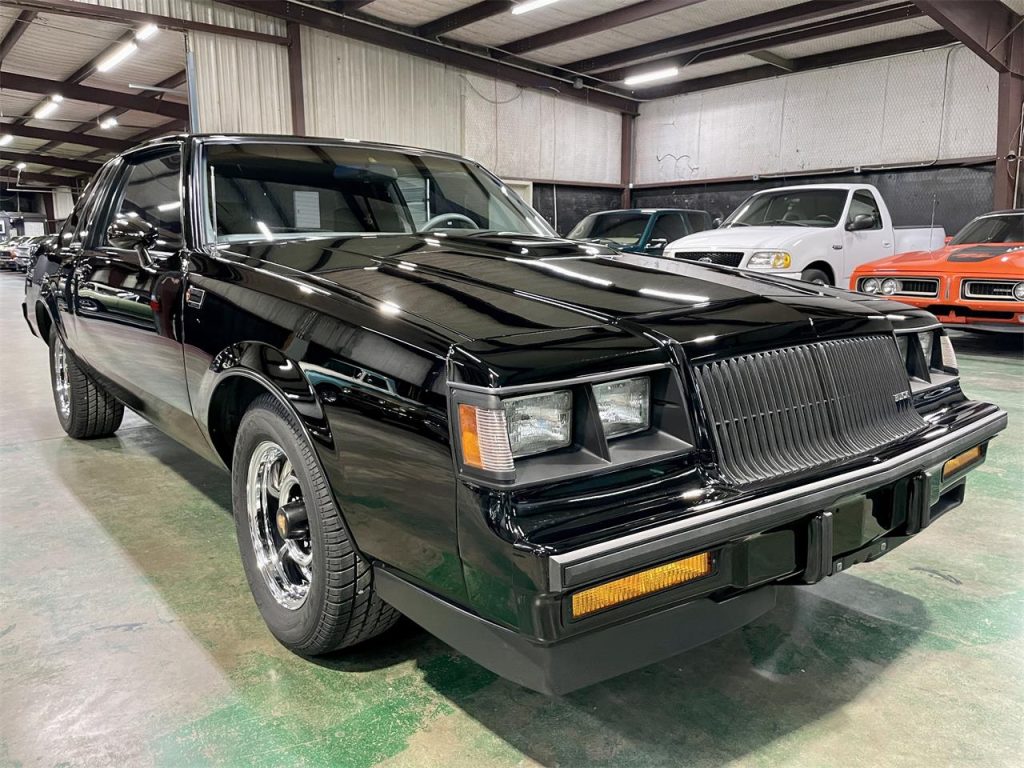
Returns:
point(219, 405)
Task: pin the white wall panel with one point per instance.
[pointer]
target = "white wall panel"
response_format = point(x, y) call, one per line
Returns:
point(521, 133)
point(363, 91)
point(916, 108)
point(242, 85)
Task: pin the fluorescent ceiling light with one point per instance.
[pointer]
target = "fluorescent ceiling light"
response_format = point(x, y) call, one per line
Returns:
point(170, 206)
point(109, 123)
point(45, 110)
point(20, 166)
point(530, 5)
point(116, 56)
point(147, 32)
point(56, 98)
point(6, 139)
point(647, 77)
point(265, 230)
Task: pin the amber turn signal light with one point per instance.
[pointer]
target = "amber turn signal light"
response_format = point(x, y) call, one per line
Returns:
point(640, 584)
point(964, 460)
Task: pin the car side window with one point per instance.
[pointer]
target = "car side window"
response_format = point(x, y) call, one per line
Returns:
point(669, 226)
point(151, 191)
point(697, 221)
point(864, 203)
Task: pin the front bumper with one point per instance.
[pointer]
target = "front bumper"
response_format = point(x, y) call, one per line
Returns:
point(800, 534)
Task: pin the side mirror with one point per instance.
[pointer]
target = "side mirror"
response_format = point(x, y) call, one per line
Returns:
point(716, 222)
point(860, 221)
point(131, 232)
point(656, 244)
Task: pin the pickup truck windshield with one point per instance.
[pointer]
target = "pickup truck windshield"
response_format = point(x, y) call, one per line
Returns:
point(289, 191)
point(992, 229)
point(621, 227)
point(797, 208)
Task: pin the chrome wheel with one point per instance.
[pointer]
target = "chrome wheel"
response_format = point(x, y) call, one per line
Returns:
point(61, 377)
point(285, 563)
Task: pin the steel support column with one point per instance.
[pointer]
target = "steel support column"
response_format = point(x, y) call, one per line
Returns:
point(626, 165)
point(298, 102)
point(1009, 184)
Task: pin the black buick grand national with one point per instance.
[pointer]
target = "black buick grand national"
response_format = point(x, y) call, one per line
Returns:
point(565, 462)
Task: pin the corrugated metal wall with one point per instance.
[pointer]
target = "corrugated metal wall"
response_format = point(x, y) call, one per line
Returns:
point(916, 108)
point(242, 85)
point(363, 91)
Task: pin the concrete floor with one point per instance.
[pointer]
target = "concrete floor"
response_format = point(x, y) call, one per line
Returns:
point(128, 636)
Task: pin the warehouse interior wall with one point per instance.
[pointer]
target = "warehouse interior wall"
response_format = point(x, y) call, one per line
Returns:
point(916, 108)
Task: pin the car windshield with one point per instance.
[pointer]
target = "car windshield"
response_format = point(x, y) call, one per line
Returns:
point(992, 229)
point(620, 227)
point(267, 191)
point(795, 208)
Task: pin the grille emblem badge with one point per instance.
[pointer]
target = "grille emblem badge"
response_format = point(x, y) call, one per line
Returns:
point(899, 397)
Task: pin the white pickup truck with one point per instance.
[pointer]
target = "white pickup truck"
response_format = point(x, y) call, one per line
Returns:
point(817, 232)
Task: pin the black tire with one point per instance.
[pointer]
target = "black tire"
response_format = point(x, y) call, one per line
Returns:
point(85, 410)
point(815, 276)
point(340, 607)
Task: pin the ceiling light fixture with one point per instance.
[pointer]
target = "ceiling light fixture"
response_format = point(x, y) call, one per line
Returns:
point(116, 56)
point(109, 123)
point(530, 5)
point(147, 32)
point(47, 108)
point(20, 166)
point(6, 139)
point(648, 77)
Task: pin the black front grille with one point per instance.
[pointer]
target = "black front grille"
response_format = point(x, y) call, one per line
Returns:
point(724, 258)
point(788, 410)
point(996, 290)
point(913, 286)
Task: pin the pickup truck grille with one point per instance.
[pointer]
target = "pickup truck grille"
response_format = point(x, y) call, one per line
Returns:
point(991, 290)
point(793, 409)
point(724, 258)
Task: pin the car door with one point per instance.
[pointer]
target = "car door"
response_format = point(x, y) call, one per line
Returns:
point(863, 245)
point(128, 301)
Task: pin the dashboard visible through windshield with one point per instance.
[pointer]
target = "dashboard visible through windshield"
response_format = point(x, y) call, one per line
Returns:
point(286, 191)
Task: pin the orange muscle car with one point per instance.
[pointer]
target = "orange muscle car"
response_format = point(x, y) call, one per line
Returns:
point(976, 282)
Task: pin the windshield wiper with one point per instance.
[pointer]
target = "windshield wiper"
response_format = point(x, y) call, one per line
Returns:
point(787, 223)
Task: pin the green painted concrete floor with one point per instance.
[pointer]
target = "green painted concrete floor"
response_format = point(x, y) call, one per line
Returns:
point(128, 636)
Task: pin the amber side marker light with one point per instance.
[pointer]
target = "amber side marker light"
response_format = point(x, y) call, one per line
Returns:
point(964, 460)
point(641, 583)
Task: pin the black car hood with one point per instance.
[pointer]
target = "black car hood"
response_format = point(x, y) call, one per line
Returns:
point(487, 286)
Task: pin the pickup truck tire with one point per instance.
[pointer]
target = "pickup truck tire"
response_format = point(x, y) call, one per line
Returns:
point(85, 410)
point(322, 597)
point(815, 276)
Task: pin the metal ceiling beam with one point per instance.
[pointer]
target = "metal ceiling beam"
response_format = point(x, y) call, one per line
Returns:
point(463, 17)
point(805, 63)
point(808, 11)
point(863, 19)
point(19, 28)
point(64, 137)
point(9, 178)
point(78, 92)
point(119, 15)
point(786, 65)
point(407, 42)
point(595, 24)
point(988, 27)
point(67, 163)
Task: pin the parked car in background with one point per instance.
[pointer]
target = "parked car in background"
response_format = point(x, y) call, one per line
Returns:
point(8, 252)
point(640, 230)
point(817, 232)
point(976, 282)
point(25, 251)
point(563, 463)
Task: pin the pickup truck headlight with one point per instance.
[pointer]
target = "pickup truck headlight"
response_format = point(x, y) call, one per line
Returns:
point(770, 260)
point(624, 406)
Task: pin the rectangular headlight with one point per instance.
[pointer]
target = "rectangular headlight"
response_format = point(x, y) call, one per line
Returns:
point(539, 423)
point(624, 406)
